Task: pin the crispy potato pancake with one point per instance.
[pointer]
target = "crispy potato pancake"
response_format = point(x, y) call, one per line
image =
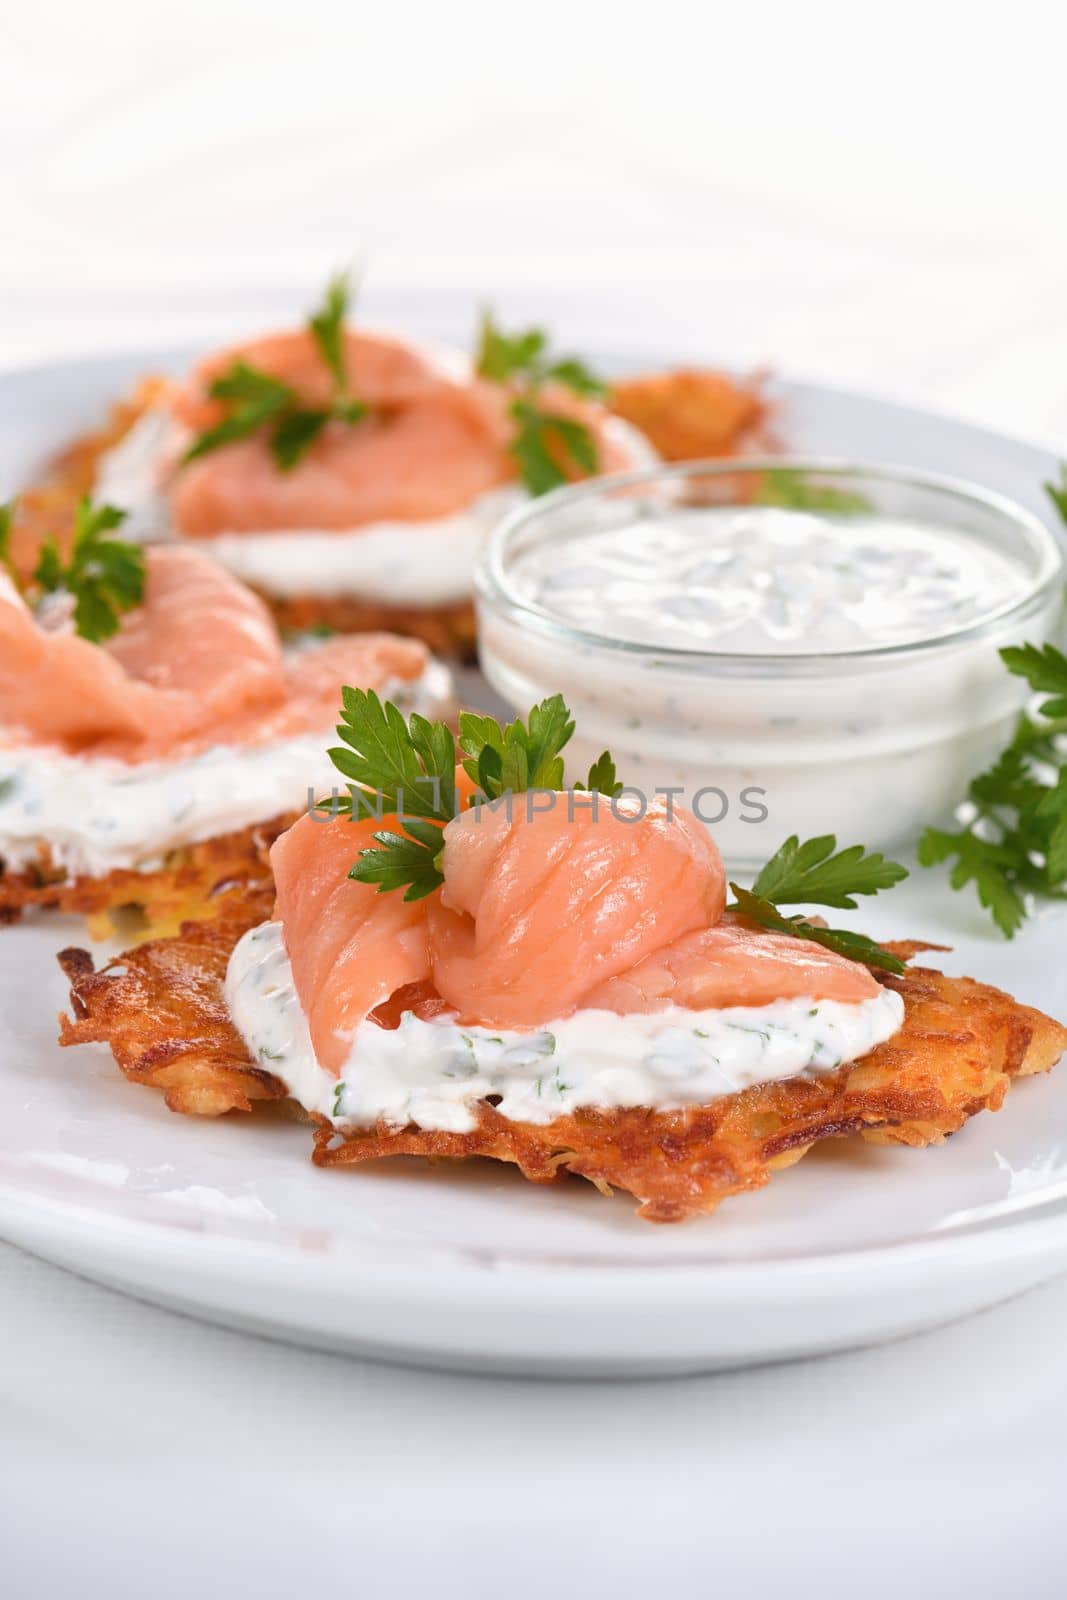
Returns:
point(161, 1009)
point(691, 414)
point(47, 507)
point(446, 630)
point(187, 886)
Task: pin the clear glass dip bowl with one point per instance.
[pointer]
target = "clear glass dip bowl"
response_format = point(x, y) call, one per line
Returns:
point(869, 742)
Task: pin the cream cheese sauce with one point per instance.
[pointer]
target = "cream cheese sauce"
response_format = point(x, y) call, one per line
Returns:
point(433, 1073)
point(99, 815)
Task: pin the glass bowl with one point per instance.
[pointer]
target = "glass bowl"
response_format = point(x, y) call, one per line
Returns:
point(869, 740)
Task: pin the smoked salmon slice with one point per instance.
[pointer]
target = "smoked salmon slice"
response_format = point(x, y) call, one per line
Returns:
point(541, 913)
point(198, 663)
point(383, 371)
point(350, 947)
point(734, 965)
point(430, 459)
point(539, 908)
point(434, 440)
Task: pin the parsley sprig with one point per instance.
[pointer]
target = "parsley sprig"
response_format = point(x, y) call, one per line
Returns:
point(1012, 840)
point(103, 577)
point(817, 873)
point(796, 490)
point(1057, 492)
point(408, 766)
point(548, 445)
point(1012, 844)
point(526, 755)
point(7, 523)
point(257, 400)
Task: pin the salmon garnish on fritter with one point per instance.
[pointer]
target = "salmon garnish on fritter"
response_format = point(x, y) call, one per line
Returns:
point(563, 989)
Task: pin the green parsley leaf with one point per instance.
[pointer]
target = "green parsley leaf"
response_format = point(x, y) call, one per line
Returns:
point(1008, 782)
point(328, 328)
point(856, 946)
point(105, 577)
point(1057, 493)
point(296, 431)
point(523, 357)
point(575, 375)
point(260, 401)
point(48, 573)
point(521, 756)
point(257, 400)
point(402, 863)
point(992, 868)
point(501, 357)
point(409, 764)
point(1013, 846)
point(603, 779)
point(795, 490)
point(1045, 670)
point(7, 523)
point(546, 442)
point(248, 386)
point(817, 873)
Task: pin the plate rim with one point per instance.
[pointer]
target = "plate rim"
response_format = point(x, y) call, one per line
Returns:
point(218, 1251)
point(785, 381)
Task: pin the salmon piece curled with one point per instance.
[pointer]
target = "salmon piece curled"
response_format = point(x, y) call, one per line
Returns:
point(541, 913)
point(435, 438)
point(198, 663)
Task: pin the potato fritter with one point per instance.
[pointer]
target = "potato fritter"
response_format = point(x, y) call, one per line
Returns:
point(46, 508)
point(447, 630)
point(187, 886)
point(691, 414)
point(960, 1045)
point(161, 1009)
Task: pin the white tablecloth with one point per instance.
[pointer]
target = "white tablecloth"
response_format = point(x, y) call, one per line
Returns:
point(763, 195)
point(146, 1454)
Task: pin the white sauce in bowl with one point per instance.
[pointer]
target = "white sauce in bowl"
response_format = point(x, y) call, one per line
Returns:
point(764, 580)
point(432, 1073)
point(778, 670)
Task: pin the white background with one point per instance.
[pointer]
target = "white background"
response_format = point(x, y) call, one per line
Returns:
point(868, 193)
point(872, 195)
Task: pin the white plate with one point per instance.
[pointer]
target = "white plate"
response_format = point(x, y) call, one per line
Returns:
point(471, 1267)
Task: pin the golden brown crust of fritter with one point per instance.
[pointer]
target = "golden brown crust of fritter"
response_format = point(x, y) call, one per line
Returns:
point(46, 509)
point(161, 1008)
point(446, 630)
point(188, 885)
point(690, 414)
point(961, 1044)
